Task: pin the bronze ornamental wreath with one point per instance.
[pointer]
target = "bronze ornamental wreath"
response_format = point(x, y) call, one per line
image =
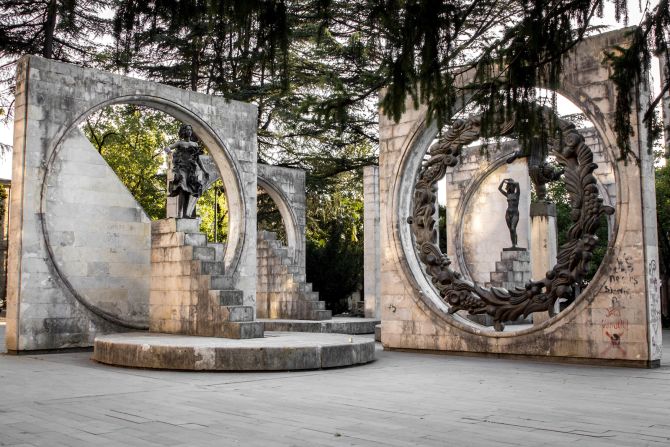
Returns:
point(573, 257)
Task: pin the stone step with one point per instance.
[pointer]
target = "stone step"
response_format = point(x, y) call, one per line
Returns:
point(172, 225)
point(219, 248)
point(299, 277)
point(238, 313)
point(227, 297)
point(512, 255)
point(305, 287)
point(318, 305)
point(195, 239)
point(281, 252)
point(295, 269)
point(218, 282)
point(182, 253)
point(178, 239)
point(282, 308)
point(310, 296)
point(241, 329)
point(211, 268)
point(267, 235)
point(204, 253)
point(321, 315)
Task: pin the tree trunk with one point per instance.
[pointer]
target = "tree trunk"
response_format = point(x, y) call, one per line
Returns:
point(49, 29)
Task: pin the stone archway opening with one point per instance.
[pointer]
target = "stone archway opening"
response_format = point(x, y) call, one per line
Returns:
point(110, 168)
point(472, 229)
point(134, 140)
point(270, 217)
point(475, 212)
point(623, 291)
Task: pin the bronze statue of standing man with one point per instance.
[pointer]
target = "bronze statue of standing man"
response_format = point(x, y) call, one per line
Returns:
point(185, 184)
point(510, 189)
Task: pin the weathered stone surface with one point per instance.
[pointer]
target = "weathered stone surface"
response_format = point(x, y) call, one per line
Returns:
point(186, 298)
point(277, 351)
point(286, 187)
point(69, 268)
point(371, 249)
point(282, 291)
point(514, 268)
point(616, 319)
point(336, 325)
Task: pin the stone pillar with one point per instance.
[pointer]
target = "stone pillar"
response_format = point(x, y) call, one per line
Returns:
point(372, 260)
point(665, 105)
point(543, 245)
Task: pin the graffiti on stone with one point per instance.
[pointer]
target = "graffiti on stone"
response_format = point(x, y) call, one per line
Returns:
point(614, 326)
point(620, 284)
point(654, 310)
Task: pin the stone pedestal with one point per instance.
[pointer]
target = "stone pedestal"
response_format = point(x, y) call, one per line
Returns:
point(543, 245)
point(189, 293)
point(513, 269)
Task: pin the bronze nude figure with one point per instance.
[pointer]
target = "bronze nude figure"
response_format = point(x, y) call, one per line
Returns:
point(510, 189)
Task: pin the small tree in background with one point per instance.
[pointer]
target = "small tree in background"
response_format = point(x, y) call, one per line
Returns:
point(663, 222)
point(335, 243)
point(212, 208)
point(131, 139)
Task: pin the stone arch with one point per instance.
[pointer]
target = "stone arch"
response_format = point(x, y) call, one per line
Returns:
point(412, 317)
point(52, 97)
point(417, 142)
point(226, 164)
point(286, 187)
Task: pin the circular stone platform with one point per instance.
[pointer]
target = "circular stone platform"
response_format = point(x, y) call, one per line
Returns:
point(277, 351)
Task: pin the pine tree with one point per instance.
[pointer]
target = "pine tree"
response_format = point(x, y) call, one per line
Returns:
point(66, 30)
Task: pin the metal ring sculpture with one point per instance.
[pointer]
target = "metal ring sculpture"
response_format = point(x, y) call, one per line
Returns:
point(573, 256)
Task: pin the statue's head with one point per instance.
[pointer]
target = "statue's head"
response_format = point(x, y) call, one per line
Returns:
point(185, 132)
point(512, 186)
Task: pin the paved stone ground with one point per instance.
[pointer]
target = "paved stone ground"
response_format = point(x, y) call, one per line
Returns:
point(401, 399)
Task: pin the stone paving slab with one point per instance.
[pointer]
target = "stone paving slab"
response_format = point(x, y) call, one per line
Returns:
point(276, 351)
point(401, 399)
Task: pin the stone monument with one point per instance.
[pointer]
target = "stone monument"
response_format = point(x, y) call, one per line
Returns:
point(423, 296)
point(87, 265)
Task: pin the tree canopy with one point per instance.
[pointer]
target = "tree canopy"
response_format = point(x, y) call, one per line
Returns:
point(314, 67)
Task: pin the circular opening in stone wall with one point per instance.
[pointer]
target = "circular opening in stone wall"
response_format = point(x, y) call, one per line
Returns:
point(135, 142)
point(461, 207)
point(269, 217)
point(106, 180)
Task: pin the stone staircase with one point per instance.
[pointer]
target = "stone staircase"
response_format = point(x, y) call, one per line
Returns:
point(513, 269)
point(282, 291)
point(189, 293)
